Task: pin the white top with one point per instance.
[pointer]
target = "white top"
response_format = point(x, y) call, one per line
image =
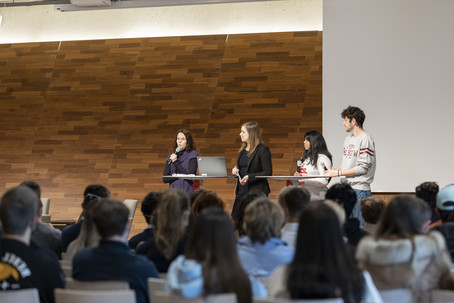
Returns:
point(289, 233)
point(316, 187)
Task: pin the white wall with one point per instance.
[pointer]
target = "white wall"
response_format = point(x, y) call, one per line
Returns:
point(42, 23)
point(394, 59)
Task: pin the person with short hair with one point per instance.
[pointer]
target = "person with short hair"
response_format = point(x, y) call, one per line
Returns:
point(22, 263)
point(292, 200)
point(148, 207)
point(262, 250)
point(92, 192)
point(359, 159)
point(445, 207)
point(112, 259)
point(371, 210)
point(427, 191)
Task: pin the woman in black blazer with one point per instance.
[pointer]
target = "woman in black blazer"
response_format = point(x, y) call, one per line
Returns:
point(254, 159)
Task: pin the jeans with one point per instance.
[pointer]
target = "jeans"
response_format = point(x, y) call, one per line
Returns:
point(356, 213)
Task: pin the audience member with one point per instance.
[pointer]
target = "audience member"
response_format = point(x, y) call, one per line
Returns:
point(91, 192)
point(371, 209)
point(23, 264)
point(262, 250)
point(344, 194)
point(238, 214)
point(445, 207)
point(402, 255)
point(427, 192)
point(112, 259)
point(44, 234)
point(322, 266)
point(292, 199)
point(169, 238)
point(210, 264)
point(207, 199)
point(195, 194)
point(148, 207)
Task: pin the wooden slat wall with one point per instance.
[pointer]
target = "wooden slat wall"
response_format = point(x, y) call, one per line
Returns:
point(106, 111)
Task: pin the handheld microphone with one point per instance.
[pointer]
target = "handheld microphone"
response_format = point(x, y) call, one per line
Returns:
point(176, 150)
point(298, 165)
point(324, 166)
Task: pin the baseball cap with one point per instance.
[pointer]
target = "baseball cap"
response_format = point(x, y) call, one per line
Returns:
point(444, 196)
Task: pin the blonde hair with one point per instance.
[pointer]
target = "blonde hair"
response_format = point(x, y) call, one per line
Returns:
point(263, 219)
point(169, 224)
point(255, 138)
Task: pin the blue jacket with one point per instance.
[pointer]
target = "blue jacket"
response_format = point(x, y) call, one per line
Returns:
point(261, 259)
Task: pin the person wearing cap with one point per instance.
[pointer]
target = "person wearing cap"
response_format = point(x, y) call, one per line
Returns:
point(445, 206)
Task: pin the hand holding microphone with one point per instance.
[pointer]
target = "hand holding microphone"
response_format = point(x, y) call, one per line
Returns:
point(173, 156)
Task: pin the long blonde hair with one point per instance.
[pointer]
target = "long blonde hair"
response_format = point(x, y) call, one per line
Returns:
point(255, 138)
point(170, 227)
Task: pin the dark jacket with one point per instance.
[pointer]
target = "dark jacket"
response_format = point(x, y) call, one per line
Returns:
point(259, 165)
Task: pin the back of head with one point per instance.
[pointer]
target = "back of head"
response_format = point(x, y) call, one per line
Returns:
point(263, 220)
point(371, 209)
point(110, 217)
point(195, 194)
point(37, 190)
point(207, 199)
point(149, 205)
point(404, 217)
point(427, 192)
point(293, 199)
point(93, 192)
point(18, 207)
point(212, 243)
point(321, 265)
point(172, 217)
point(238, 214)
point(343, 194)
point(445, 203)
point(354, 112)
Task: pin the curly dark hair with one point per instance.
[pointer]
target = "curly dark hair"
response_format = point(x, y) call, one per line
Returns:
point(354, 112)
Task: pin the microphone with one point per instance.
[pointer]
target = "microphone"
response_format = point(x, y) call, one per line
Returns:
point(176, 150)
point(324, 166)
point(298, 165)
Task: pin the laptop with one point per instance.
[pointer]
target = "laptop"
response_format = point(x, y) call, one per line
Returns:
point(212, 166)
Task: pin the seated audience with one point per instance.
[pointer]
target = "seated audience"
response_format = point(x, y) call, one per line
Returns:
point(44, 234)
point(210, 264)
point(402, 255)
point(371, 210)
point(445, 207)
point(262, 250)
point(322, 266)
point(292, 199)
point(22, 264)
point(344, 194)
point(169, 236)
point(238, 214)
point(194, 195)
point(205, 199)
point(148, 207)
point(427, 192)
point(91, 192)
point(112, 259)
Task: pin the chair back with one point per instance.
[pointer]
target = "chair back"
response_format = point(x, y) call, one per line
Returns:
point(94, 296)
point(29, 295)
point(131, 205)
point(95, 285)
point(46, 203)
point(67, 268)
point(398, 295)
point(162, 297)
point(46, 218)
point(154, 284)
point(442, 296)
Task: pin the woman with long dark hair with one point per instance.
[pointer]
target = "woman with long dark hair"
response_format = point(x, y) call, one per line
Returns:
point(402, 255)
point(254, 159)
point(210, 264)
point(322, 266)
point(182, 161)
point(315, 160)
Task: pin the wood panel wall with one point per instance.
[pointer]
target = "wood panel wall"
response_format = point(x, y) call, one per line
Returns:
point(106, 111)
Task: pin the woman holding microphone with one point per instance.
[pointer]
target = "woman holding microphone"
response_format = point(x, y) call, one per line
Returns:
point(182, 161)
point(315, 160)
point(254, 159)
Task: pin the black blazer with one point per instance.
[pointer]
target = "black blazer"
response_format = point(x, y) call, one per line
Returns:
point(259, 165)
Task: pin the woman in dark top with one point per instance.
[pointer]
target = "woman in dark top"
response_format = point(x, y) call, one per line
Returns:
point(182, 161)
point(254, 159)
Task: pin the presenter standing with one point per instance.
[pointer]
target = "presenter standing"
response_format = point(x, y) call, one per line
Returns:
point(182, 161)
point(315, 160)
point(254, 159)
point(358, 161)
